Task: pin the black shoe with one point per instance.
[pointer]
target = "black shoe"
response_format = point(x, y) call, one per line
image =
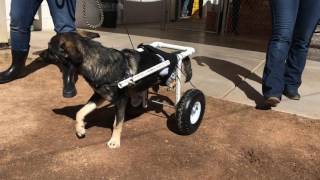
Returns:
point(294, 95)
point(69, 80)
point(18, 62)
point(272, 101)
point(68, 74)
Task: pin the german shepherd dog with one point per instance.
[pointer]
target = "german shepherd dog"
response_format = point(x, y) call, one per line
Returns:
point(103, 68)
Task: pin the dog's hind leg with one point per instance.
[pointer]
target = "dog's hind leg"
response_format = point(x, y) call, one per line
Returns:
point(92, 104)
point(114, 142)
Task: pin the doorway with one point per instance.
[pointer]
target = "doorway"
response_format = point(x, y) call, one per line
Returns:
point(195, 15)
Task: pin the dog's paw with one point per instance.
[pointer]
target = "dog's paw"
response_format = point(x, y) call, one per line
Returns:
point(113, 143)
point(80, 136)
point(80, 132)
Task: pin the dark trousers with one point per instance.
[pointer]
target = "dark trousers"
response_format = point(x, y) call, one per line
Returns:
point(293, 24)
point(22, 14)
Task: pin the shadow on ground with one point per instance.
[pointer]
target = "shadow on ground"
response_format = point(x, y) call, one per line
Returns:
point(104, 116)
point(236, 74)
point(34, 66)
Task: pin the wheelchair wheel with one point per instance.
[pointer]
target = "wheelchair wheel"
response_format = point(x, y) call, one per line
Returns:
point(189, 112)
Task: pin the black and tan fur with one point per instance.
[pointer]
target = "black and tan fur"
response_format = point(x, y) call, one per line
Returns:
point(103, 68)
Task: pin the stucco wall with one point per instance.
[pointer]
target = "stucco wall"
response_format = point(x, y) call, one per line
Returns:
point(3, 29)
point(136, 11)
point(142, 11)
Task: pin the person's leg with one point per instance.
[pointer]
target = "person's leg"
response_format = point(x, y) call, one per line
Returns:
point(200, 8)
point(63, 15)
point(190, 6)
point(308, 17)
point(185, 8)
point(22, 14)
point(284, 15)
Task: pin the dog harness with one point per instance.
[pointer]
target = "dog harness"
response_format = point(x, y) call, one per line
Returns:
point(166, 75)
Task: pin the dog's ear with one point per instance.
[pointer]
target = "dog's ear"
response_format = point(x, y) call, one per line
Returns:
point(70, 50)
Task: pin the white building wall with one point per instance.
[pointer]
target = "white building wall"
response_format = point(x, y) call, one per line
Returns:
point(47, 23)
point(136, 11)
point(7, 2)
point(3, 25)
point(143, 11)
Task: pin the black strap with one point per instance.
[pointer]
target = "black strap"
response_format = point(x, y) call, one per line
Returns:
point(167, 56)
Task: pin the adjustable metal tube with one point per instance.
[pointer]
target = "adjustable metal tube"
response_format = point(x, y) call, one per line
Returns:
point(137, 77)
point(186, 51)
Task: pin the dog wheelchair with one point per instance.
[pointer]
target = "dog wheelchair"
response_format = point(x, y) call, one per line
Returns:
point(189, 107)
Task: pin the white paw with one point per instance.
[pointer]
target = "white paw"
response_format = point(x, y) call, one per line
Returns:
point(80, 131)
point(114, 143)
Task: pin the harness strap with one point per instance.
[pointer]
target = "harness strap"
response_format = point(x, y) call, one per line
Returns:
point(167, 56)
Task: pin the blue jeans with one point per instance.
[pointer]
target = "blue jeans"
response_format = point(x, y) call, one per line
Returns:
point(22, 14)
point(185, 8)
point(293, 24)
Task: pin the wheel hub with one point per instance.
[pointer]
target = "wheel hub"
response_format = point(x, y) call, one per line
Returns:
point(195, 112)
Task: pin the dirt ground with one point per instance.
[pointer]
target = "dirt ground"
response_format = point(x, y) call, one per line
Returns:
point(37, 138)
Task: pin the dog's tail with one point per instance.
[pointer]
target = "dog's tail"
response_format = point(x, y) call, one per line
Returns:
point(187, 70)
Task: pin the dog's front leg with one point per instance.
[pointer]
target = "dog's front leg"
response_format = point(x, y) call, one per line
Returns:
point(95, 101)
point(114, 142)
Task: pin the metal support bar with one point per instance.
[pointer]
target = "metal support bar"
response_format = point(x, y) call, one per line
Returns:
point(164, 10)
point(137, 77)
point(186, 51)
point(178, 82)
point(165, 104)
point(224, 16)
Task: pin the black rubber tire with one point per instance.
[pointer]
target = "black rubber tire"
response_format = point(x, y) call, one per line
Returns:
point(184, 109)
